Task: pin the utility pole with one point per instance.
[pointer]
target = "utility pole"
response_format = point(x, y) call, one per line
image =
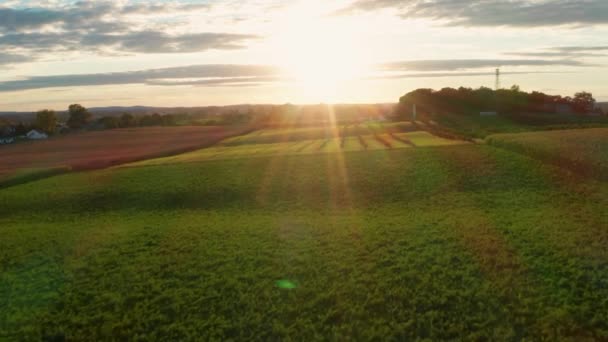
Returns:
point(414, 112)
point(497, 86)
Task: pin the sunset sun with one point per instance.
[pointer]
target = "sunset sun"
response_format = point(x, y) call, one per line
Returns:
point(319, 53)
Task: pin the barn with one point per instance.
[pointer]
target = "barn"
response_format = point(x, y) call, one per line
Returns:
point(35, 135)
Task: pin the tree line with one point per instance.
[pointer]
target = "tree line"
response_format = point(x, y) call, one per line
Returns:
point(79, 118)
point(504, 101)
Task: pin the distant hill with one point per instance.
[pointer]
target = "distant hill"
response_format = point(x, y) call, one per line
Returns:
point(28, 117)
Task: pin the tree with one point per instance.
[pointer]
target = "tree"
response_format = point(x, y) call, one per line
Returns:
point(46, 120)
point(110, 122)
point(79, 116)
point(20, 129)
point(169, 120)
point(127, 120)
point(583, 102)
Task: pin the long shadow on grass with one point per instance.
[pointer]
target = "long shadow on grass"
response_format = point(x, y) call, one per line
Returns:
point(375, 179)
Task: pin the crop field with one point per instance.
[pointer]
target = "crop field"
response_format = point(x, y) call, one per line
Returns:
point(321, 132)
point(480, 127)
point(465, 242)
point(290, 141)
point(584, 151)
point(95, 150)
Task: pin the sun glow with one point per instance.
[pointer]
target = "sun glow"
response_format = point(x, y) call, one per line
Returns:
point(319, 52)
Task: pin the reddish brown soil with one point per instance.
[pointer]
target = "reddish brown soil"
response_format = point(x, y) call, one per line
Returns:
point(94, 150)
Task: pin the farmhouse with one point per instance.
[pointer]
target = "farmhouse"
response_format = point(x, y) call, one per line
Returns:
point(35, 135)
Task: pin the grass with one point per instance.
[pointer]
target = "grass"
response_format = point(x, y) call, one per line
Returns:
point(231, 149)
point(476, 126)
point(274, 135)
point(582, 150)
point(28, 175)
point(452, 242)
point(479, 127)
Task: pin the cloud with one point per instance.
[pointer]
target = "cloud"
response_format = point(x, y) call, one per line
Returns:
point(109, 27)
point(160, 42)
point(143, 8)
point(251, 75)
point(85, 14)
point(18, 19)
point(186, 75)
point(580, 48)
point(460, 64)
point(563, 52)
point(455, 74)
point(515, 13)
point(9, 58)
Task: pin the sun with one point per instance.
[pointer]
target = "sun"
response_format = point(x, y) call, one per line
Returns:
point(318, 52)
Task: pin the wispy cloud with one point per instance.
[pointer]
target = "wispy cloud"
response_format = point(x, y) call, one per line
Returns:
point(187, 75)
point(109, 27)
point(10, 58)
point(563, 52)
point(461, 64)
point(252, 75)
point(515, 13)
point(456, 74)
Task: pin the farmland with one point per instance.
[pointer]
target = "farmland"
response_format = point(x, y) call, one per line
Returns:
point(440, 242)
point(94, 150)
point(583, 151)
point(309, 141)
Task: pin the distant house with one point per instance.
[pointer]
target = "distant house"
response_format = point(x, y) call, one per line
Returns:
point(488, 113)
point(6, 141)
point(35, 135)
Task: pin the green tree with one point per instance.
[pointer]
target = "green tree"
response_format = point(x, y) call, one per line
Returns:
point(20, 129)
point(583, 102)
point(46, 120)
point(110, 122)
point(127, 120)
point(79, 116)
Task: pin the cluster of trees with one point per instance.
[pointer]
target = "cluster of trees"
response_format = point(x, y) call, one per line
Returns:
point(47, 120)
point(127, 120)
point(80, 118)
point(505, 101)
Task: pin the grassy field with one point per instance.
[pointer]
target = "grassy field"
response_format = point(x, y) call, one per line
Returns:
point(445, 242)
point(95, 150)
point(480, 127)
point(584, 151)
point(323, 132)
point(281, 142)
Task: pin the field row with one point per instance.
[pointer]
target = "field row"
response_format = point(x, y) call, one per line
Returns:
point(274, 135)
point(229, 149)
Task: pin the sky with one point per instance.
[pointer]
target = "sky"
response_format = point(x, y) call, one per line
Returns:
point(219, 52)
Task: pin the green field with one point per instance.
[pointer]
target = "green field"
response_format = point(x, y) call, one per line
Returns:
point(283, 142)
point(277, 240)
point(477, 126)
point(584, 151)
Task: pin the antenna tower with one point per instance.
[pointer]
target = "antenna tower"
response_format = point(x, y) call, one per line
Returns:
point(497, 79)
